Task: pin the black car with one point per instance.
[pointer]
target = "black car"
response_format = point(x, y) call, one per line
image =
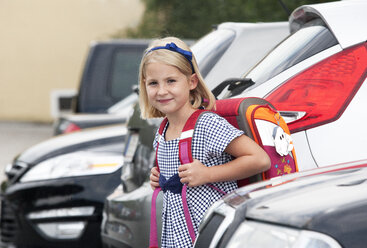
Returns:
point(55, 191)
point(324, 207)
point(109, 73)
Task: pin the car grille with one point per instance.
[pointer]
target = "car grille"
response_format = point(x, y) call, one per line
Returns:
point(8, 225)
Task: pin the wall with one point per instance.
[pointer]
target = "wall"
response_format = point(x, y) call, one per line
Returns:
point(43, 45)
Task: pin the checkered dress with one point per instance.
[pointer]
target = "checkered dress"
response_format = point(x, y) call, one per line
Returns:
point(212, 135)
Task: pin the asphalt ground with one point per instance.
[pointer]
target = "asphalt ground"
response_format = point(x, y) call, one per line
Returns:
point(16, 137)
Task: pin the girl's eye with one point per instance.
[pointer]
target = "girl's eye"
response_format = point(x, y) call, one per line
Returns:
point(152, 83)
point(171, 80)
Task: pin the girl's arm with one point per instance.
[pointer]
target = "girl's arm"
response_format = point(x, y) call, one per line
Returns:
point(250, 159)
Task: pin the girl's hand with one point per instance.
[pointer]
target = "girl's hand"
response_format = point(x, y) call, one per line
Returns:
point(194, 174)
point(154, 178)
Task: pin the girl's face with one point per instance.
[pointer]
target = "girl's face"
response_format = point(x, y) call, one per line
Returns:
point(168, 89)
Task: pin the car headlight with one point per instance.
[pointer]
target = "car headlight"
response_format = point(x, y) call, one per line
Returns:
point(74, 164)
point(259, 235)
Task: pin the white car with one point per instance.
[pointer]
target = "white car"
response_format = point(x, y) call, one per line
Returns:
point(316, 78)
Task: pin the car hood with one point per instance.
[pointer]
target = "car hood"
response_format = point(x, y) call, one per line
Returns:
point(327, 199)
point(94, 117)
point(81, 140)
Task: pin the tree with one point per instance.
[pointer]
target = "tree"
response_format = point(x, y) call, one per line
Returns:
point(192, 19)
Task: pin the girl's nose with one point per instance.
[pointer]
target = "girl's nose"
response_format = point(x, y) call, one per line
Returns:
point(162, 89)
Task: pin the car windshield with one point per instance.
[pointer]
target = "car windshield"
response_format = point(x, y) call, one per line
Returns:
point(210, 48)
point(296, 48)
point(124, 71)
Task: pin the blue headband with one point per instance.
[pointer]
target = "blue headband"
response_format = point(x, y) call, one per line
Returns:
point(173, 47)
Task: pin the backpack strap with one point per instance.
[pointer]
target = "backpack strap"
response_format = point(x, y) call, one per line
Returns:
point(153, 241)
point(184, 144)
point(153, 235)
point(185, 156)
point(185, 148)
point(160, 137)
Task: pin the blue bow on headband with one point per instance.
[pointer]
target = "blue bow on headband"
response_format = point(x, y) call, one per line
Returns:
point(173, 47)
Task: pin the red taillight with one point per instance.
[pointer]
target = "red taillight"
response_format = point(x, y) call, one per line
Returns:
point(324, 90)
point(71, 128)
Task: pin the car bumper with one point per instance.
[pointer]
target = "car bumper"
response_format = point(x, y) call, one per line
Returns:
point(126, 218)
point(109, 242)
point(63, 212)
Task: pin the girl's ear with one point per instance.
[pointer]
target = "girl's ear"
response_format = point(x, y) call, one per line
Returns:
point(193, 81)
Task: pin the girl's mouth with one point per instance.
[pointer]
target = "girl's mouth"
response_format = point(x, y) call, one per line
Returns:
point(164, 100)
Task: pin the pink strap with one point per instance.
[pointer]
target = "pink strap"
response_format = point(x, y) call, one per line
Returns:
point(185, 151)
point(189, 224)
point(185, 156)
point(153, 240)
point(160, 132)
point(216, 188)
point(153, 237)
point(187, 213)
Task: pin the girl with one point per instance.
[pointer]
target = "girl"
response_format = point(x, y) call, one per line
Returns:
point(171, 86)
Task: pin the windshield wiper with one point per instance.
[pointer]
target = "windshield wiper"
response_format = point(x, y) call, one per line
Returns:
point(235, 86)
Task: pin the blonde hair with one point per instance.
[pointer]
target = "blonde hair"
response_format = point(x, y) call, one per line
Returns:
point(177, 60)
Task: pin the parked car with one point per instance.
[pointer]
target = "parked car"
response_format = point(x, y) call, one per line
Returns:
point(54, 191)
point(317, 79)
point(116, 114)
point(322, 207)
point(109, 73)
point(127, 210)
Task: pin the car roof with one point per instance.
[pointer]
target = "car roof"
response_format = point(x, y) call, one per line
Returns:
point(343, 18)
point(252, 42)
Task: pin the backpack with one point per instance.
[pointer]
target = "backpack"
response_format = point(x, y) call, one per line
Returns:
point(260, 121)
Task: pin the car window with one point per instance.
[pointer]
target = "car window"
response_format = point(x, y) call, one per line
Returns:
point(210, 48)
point(296, 48)
point(125, 71)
